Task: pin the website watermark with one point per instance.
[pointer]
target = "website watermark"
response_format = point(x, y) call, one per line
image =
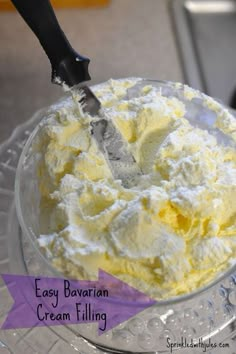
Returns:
point(184, 343)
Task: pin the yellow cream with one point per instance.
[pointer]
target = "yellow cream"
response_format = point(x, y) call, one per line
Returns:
point(171, 233)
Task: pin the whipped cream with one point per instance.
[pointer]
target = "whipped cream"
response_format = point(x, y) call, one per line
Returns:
point(172, 232)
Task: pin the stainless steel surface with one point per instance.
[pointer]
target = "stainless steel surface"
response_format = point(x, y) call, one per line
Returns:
point(89, 101)
point(206, 34)
point(110, 141)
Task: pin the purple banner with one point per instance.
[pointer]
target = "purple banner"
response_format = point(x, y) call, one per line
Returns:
point(44, 301)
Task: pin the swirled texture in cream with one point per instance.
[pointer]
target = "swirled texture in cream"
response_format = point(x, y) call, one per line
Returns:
point(171, 233)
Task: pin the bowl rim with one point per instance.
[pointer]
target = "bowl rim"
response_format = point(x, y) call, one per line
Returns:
point(33, 238)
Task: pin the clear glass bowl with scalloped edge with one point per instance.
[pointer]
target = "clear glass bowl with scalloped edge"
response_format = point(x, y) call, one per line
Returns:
point(208, 311)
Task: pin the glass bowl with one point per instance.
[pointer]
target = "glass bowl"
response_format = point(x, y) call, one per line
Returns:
point(202, 314)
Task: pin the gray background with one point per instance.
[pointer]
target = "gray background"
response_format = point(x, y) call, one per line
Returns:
point(127, 38)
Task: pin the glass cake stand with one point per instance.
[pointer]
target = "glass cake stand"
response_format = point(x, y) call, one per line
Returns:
point(18, 257)
point(210, 314)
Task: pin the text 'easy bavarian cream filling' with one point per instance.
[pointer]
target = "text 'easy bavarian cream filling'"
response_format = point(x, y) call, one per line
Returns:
point(171, 233)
